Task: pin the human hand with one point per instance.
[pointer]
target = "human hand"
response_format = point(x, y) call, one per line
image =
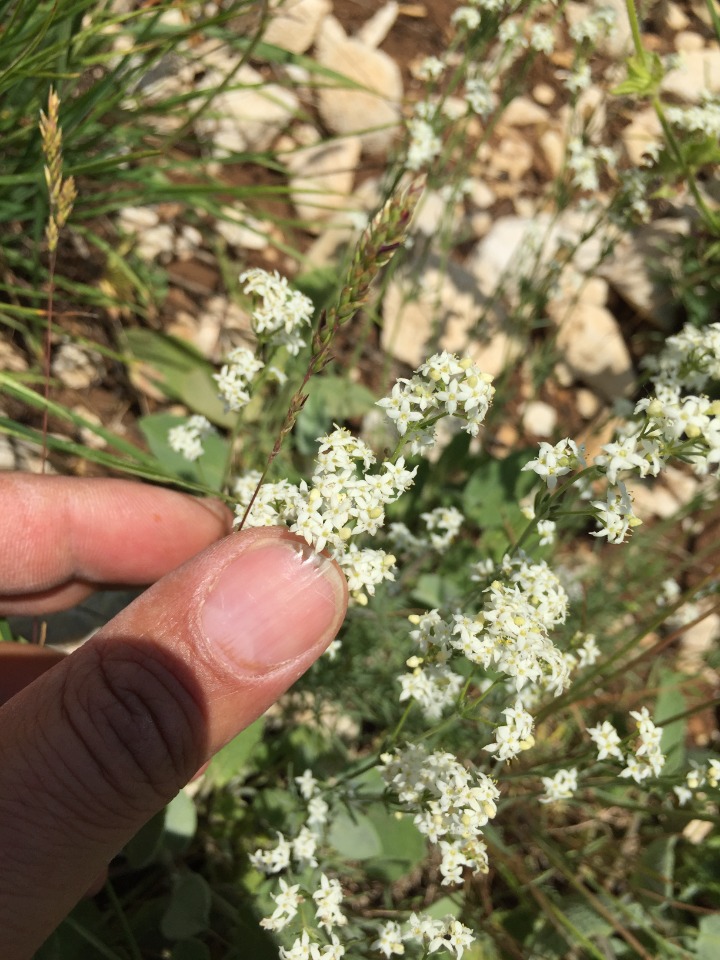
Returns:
point(97, 744)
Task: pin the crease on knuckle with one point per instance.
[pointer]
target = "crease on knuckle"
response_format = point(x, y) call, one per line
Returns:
point(137, 722)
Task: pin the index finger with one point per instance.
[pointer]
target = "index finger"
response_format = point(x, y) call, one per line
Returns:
point(60, 536)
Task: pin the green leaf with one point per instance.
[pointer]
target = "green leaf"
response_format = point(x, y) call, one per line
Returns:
point(671, 702)
point(656, 867)
point(707, 946)
point(584, 919)
point(180, 372)
point(234, 757)
point(442, 908)
point(208, 470)
point(332, 400)
point(354, 837)
point(494, 489)
point(144, 847)
point(644, 76)
point(403, 846)
point(190, 950)
point(188, 912)
point(180, 821)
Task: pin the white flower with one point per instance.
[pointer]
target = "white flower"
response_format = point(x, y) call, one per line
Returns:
point(615, 515)
point(606, 739)
point(542, 38)
point(431, 69)
point(287, 903)
point(424, 144)
point(454, 938)
point(467, 17)
point(589, 652)
point(557, 461)
point(306, 784)
point(281, 313)
point(560, 787)
point(514, 736)
point(303, 848)
point(186, 438)
point(546, 530)
point(389, 943)
point(328, 898)
point(479, 96)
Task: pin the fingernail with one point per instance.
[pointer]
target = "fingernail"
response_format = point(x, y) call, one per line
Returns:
point(275, 602)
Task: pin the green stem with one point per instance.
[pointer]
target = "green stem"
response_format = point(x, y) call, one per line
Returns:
point(635, 29)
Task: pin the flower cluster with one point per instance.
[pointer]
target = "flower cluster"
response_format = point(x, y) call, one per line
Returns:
point(448, 934)
point(562, 786)
point(235, 377)
point(281, 313)
point(646, 760)
point(340, 502)
point(557, 461)
point(186, 438)
point(513, 736)
point(454, 804)
point(443, 386)
point(701, 775)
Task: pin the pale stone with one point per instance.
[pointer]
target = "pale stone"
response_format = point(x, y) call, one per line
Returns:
point(133, 219)
point(688, 40)
point(552, 145)
point(633, 267)
point(539, 419)
point(246, 233)
point(514, 244)
point(652, 500)
point(156, 242)
point(11, 359)
point(77, 367)
point(563, 374)
point(618, 41)
point(593, 348)
point(248, 118)
point(512, 158)
point(587, 403)
point(375, 30)
point(88, 436)
point(543, 93)
point(684, 486)
point(321, 179)
point(431, 211)
point(455, 107)
point(7, 454)
point(522, 112)
point(294, 23)
point(697, 642)
point(676, 18)
point(480, 223)
point(481, 195)
point(642, 135)
point(373, 113)
point(445, 312)
point(700, 71)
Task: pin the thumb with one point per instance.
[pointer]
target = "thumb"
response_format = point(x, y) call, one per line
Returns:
point(103, 740)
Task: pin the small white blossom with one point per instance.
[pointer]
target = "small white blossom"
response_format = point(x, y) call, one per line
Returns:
point(186, 438)
point(557, 461)
point(562, 786)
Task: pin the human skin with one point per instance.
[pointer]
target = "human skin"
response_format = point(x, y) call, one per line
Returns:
point(93, 744)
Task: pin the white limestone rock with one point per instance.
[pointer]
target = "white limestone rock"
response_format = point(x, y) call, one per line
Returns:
point(369, 106)
point(699, 72)
point(294, 23)
point(539, 418)
point(248, 116)
point(321, 179)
